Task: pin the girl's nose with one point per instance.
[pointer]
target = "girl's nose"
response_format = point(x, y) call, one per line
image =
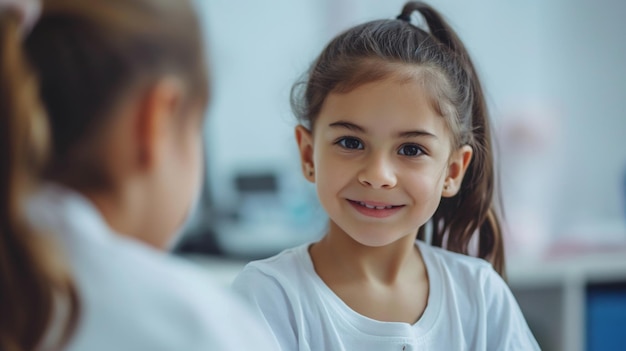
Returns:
point(378, 173)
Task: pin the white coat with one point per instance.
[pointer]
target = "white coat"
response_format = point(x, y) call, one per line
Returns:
point(134, 297)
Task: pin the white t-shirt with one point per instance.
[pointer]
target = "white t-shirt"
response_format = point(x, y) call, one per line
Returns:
point(469, 308)
point(135, 298)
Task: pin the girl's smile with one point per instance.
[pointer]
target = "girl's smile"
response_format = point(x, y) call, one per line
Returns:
point(375, 209)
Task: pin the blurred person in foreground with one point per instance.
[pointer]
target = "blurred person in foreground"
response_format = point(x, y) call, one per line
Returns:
point(102, 106)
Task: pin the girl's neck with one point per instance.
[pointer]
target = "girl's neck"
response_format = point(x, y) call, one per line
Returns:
point(388, 284)
point(338, 257)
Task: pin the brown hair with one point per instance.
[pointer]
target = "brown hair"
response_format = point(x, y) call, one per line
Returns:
point(90, 54)
point(58, 88)
point(376, 50)
point(30, 276)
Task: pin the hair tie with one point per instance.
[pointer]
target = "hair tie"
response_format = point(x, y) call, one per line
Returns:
point(406, 17)
point(29, 11)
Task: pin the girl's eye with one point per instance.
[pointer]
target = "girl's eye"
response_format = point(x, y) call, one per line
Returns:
point(350, 143)
point(410, 150)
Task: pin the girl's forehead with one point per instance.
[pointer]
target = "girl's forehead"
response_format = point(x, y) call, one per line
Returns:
point(391, 105)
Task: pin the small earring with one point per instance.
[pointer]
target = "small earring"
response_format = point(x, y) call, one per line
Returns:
point(310, 173)
point(445, 187)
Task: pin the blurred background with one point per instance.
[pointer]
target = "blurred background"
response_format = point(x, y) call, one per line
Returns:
point(554, 74)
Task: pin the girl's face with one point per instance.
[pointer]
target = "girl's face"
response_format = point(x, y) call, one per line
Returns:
point(381, 157)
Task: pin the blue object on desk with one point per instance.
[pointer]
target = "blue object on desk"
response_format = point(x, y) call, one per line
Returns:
point(606, 317)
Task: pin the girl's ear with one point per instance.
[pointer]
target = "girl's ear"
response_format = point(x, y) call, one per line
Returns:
point(304, 138)
point(457, 166)
point(158, 108)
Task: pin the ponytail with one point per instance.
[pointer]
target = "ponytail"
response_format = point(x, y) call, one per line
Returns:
point(31, 281)
point(438, 27)
point(472, 211)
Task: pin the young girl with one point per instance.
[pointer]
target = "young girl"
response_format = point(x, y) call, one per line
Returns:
point(395, 135)
point(124, 86)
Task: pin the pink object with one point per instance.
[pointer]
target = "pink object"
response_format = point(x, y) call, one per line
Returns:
point(529, 137)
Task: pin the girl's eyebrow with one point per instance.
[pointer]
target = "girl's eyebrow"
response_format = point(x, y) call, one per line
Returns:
point(416, 133)
point(407, 134)
point(348, 125)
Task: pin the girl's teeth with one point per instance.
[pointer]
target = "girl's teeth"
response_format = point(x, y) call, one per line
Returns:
point(374, 207)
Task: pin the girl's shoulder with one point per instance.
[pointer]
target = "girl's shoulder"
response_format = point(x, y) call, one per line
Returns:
point(462, 269)
point(452, 258)
point(289, 263)
point(290, 267)
point(470, 287)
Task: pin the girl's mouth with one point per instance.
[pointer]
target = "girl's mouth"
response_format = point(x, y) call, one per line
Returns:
point(375, 209)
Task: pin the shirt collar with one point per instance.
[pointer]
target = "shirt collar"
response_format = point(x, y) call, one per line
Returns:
point(62, 211)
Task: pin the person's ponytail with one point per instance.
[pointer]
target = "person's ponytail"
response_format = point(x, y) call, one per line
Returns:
point(473, 209)
point(31, 279)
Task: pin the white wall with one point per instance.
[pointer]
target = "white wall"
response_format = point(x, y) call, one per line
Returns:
point(585, 70)
point(257, 50)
